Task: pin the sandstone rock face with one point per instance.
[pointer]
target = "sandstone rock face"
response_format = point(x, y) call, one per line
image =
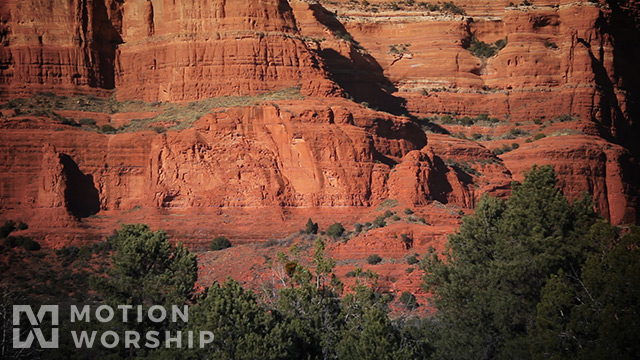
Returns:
point(156, 50)
point(66, 46)
point(296, 155)
point(561, 57)
point(259, 171)
point(585, 163)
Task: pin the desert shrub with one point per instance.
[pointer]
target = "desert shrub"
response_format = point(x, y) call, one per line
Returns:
point(87, 122)
point(412, 260)
point(399, 48)
point(537, 121)
point(357, 227)
point(29, 244)
point(380, 221)
point(518, 132)
point(466, 121)
point(374, 259)
point(462, 166)
point(84, 253)
point(108, 129)
point(450, 7)
point(447, 119)
point(269, 243)
point(505, 148)
point(483, 50)
point(101, 247)
point(539, 136)
point(12, 241)
point(219, 243)
point(348, 38)
point(408, 211)
point(335, 230)
point(564, 118)
point(354, 273)
point(311, 227)
point(64, 120)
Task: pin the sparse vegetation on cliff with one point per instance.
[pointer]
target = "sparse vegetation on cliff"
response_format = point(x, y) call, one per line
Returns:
point(374, 259)
point(397, 49)
point(550, 44)
point(484, 50)
point(171, 116)
point(447, 7)
point(539, 136)
point(335, 230)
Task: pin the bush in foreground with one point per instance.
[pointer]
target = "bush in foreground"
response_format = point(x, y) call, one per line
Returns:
point(219, 243)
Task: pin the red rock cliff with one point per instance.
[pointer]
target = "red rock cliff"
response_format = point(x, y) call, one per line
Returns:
point(155, 50)
point(257, 171)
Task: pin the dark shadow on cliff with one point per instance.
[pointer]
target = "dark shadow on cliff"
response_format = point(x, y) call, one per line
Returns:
point(104, 40)
point(624, 28)
point(439, 183)
point(359, 74)
point(81, 196)
point(428, 126)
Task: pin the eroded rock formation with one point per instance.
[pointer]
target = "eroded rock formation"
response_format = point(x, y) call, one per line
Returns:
point(323, 155)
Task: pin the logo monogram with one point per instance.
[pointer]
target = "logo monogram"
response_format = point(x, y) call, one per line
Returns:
point(35, 323)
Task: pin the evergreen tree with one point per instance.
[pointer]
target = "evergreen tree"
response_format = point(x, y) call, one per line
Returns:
point(311, 227)
point(335, 230)
point(242, 328)
point(147, 270)
point(311, 308)
point(487, 283)
point(594, 313)
point(371, 336)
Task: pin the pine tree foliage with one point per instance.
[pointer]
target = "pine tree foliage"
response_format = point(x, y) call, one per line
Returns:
point(594, 313)
point(487, 283)
point(147, 270)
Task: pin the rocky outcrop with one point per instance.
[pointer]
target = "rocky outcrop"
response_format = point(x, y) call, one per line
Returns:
point(294, 155)
point(585, 164)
